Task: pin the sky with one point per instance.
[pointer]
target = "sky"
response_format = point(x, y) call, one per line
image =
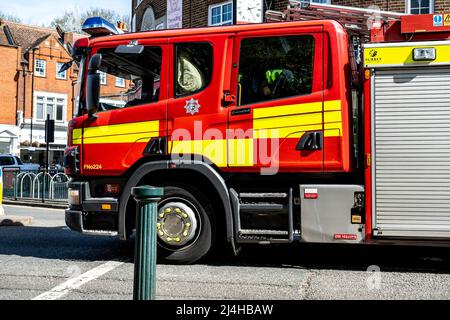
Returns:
point(42, 12)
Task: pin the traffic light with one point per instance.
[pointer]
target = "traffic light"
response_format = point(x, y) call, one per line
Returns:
point(49, 130)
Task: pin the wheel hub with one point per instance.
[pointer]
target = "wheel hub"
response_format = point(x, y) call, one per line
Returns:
point(176, 223)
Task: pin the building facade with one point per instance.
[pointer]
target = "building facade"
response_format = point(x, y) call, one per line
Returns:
point(32, 88)
point(160, 14)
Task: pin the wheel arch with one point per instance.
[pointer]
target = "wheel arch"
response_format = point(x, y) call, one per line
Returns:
point(194, 168)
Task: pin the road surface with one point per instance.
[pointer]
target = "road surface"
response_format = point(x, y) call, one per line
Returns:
point(48, 261)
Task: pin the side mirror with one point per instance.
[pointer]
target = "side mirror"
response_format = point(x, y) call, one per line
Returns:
point(65, 66)
point(93, 85)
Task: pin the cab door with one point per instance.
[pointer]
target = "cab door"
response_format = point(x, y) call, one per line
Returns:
point(197, 117)
point(132, 113)
point(276, 122)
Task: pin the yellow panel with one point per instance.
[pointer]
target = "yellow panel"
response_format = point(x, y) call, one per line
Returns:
point(291, 132)
point(77, 134)
point(333, 105)
point(332, 116)
point(118, 133)
point(333, 133)
point(294, 109)
point(287, 121)
point(125, 128)
point(214, 150)
point(403, 55)
point(127, 138)
point(240, 153)
point(284, 126)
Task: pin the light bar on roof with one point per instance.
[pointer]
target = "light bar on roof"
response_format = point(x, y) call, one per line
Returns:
point(97, 26)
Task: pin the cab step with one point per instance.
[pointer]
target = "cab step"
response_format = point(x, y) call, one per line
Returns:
point(263, 217)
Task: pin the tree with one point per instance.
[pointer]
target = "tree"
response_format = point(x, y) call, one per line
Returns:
point(73, 20)
point(9, 17)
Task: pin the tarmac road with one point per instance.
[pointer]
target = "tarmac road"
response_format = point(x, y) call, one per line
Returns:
point(48, 261)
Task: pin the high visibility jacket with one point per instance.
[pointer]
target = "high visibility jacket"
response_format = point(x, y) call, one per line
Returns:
point(272, 75)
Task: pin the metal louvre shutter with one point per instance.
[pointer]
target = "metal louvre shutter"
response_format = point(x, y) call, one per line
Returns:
point(411, 151)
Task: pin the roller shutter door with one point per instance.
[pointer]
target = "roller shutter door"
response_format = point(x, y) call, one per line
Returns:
point(411, 152)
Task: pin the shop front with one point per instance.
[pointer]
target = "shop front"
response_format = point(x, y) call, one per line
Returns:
point(9, 139)
point(33, 148)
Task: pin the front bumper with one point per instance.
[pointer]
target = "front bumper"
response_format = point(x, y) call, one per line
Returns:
point(91, 215)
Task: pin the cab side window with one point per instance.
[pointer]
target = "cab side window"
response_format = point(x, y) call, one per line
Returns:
point(193, 68)
point(129, 80)
point(275, 68)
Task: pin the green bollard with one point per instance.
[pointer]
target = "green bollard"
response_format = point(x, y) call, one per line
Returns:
point(147, 198)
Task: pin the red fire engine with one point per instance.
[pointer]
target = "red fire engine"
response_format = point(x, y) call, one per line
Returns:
point(331, 127)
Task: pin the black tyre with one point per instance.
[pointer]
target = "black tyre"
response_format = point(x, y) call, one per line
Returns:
point(185, 225)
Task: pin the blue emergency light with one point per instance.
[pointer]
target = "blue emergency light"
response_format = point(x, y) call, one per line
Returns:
point(97, 26)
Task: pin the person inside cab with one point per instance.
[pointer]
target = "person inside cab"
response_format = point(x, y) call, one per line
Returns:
point(146, 91)
point(286, 81)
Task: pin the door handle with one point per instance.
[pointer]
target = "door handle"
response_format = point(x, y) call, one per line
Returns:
point(310, 141)
point(228, 99)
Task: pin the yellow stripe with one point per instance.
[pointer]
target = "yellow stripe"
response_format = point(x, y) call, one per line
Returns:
point(333, 133)
point(117, 129)
point(286, 122)
point(118, 133)
point(77, 134)
point(294, 109)
point(240, 151)
point(127, 138)
point(214, 150)
point(402, 55)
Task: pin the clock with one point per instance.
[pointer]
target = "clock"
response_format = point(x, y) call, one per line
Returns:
point(249, 11)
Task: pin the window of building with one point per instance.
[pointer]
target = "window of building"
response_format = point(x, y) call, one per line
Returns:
point(40, 68)
point(194, 67)
point(102, 78)
point(321, 1)
point(5, 147)
point(52, 104)
point(137, 78)
point(275, 68)
point(60, 75)
point(221, 14)
point(420, 6)
point(120, 82)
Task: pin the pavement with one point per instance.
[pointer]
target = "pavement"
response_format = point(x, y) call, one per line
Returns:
point(48, 261)
point(36, 203)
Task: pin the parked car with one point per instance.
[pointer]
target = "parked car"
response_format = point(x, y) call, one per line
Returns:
point(10, 161)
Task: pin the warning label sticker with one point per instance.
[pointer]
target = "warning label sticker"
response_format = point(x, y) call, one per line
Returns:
point(447, 19)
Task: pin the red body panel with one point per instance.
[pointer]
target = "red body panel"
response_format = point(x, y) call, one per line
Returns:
point(368, 156)
point(330, 87)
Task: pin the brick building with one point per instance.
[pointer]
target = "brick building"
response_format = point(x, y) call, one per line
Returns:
point(32, 87)
point(153, 14)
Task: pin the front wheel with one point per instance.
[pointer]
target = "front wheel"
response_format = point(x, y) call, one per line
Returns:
point(184, 226)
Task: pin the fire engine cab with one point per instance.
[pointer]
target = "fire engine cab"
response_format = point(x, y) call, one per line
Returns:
point(331, 126)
